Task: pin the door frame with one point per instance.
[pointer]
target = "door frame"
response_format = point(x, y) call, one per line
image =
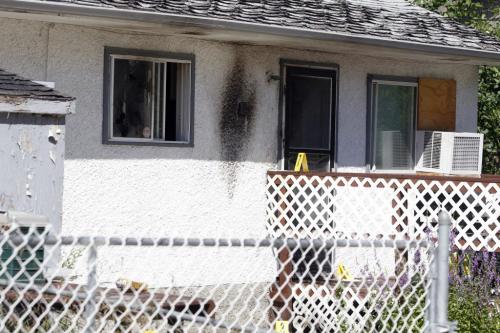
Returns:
point(284, 63)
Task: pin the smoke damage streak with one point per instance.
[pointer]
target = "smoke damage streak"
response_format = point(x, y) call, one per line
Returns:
point(236, 121)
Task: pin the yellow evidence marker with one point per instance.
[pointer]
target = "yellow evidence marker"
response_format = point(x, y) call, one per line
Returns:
point(301, 163)
point(343, 273)
point(129, 285)
point(281, 326)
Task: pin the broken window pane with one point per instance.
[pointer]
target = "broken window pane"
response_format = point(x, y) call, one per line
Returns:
point(309, 114)
point(151, 100)
point(315, 161)
point(132, 97)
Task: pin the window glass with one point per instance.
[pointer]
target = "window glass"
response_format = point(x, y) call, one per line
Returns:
point(394, 132)
point(310, 115)
point(132, 98)
point(150, 99)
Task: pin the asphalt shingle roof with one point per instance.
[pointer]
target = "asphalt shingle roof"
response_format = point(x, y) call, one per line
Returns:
point(14, 85)
point(393, 20)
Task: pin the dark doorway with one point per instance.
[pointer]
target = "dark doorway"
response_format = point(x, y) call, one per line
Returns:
point(310, 100)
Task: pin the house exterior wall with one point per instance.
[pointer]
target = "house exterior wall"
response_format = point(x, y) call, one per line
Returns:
point(199, 191)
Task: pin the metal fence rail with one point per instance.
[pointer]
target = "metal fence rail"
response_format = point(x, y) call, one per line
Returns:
point(62, 284)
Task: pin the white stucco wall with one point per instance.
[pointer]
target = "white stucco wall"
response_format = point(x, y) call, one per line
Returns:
point(127, 190)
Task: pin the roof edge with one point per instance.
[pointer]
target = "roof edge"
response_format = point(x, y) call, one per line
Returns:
point(32, 105)
point(165, 18)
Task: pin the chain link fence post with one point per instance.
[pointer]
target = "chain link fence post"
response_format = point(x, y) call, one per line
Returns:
point(441, 323)
point(432, 295)
point(90, 308)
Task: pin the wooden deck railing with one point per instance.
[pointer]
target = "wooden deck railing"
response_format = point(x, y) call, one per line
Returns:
point(322, 204)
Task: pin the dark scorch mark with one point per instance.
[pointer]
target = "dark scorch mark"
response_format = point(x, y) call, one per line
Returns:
point(236, 120)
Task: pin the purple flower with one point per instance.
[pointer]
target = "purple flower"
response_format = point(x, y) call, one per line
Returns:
point(418, 257)
point(403, 280)
point(475, 265)
point(474, 275)
point(452, 238)
point(427, 230)
point(453, 235)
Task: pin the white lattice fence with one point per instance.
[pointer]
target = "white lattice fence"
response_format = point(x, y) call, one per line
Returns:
point(41, 290)
point(350, 205)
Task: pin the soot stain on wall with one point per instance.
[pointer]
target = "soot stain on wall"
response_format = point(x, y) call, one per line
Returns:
point(236, 120)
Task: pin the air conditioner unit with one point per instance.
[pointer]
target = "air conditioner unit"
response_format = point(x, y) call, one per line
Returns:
point(449, 152)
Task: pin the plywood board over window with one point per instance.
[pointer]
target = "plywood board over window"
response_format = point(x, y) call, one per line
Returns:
point(437, 101)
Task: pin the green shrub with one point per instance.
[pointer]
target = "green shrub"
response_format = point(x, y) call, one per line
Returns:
point(471, 315)
point(478, 14)
point(474, 292)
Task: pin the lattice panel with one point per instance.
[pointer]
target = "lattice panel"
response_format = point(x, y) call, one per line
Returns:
point(327, 206)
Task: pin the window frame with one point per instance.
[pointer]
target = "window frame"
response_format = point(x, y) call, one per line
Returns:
point(111, 53)
point(371, 120)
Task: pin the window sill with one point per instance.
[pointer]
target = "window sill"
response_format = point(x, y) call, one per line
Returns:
point(179, 144)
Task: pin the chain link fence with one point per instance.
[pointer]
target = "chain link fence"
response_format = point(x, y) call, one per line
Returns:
point(60, 284)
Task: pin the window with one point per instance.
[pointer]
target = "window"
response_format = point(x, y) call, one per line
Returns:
point(148, 98)
point(393, 112)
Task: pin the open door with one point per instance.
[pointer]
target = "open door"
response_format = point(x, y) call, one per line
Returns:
point(309, 116)
point(309, 102)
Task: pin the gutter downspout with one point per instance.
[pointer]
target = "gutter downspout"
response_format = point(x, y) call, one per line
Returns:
point(33, 6)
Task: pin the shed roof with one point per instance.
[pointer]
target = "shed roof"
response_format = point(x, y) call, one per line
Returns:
point(17, 86)
point(391, 20)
